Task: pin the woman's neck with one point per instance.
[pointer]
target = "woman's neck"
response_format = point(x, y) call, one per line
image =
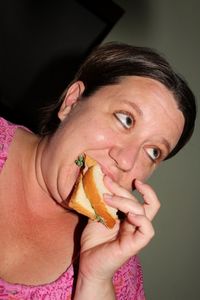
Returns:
point(22, 168)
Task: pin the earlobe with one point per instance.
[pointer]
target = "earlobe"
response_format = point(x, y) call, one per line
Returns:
point(71, 98)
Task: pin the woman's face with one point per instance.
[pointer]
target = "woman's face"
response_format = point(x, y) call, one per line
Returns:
point(128, 128)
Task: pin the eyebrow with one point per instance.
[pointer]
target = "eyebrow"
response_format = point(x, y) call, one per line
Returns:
point(134, 106)
point(167, 144)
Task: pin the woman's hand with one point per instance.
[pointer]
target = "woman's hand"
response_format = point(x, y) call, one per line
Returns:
point(149, 207)
point(104, 250)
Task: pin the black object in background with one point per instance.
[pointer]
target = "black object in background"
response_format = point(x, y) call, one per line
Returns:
point(42, 43)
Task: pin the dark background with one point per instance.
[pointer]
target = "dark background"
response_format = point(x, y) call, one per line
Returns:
point(42, 43)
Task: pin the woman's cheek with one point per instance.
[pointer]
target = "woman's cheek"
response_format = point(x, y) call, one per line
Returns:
point(144, 172)
point(101, 138)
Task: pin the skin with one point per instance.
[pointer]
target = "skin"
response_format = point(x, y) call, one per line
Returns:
point(121, 152)
point(128, 150)
point(124, 155)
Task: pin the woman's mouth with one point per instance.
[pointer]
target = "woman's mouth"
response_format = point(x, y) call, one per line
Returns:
point(108, 173)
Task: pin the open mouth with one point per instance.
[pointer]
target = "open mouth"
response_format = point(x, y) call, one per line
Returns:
point(106, 172)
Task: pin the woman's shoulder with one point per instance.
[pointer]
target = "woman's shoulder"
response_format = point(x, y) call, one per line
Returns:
point(6, 128)
point(7, 132)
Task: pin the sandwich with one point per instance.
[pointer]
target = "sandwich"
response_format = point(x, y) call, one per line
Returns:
point(87, 195)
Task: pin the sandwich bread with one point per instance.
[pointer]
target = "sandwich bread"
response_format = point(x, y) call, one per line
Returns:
point(87, 197)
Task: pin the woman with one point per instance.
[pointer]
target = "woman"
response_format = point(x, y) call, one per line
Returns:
point(129, 111)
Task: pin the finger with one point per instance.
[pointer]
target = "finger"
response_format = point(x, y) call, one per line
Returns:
point(115, 188)
point(125, 205)
point(142, 235)
point(151, 202)
point(119, 191)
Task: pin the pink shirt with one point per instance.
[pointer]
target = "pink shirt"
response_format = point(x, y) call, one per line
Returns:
point(128, 280)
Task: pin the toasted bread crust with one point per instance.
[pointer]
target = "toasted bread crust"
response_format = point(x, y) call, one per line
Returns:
point(90, 161)
point(96, 199)
point(73, 203)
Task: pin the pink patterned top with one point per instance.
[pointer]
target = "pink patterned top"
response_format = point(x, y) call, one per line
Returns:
point(128, 280)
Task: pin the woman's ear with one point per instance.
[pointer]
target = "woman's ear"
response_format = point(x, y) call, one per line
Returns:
point(71, 98)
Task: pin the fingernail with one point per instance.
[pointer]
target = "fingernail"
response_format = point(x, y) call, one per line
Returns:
point(132, 214)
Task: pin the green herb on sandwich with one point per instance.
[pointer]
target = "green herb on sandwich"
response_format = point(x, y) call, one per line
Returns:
point(80, 161)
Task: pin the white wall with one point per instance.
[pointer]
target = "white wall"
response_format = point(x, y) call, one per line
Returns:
point(171, 262)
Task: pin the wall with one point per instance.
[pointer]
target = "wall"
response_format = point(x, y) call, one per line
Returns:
point(171, 262)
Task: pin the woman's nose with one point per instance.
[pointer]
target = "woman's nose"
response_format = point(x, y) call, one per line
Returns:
point(124, 157)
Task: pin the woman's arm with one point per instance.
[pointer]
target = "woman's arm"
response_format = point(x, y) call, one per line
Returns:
point(104, 251)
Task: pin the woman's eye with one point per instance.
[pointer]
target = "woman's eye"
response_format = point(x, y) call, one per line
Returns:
point(125, 118)
point(154, 153)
